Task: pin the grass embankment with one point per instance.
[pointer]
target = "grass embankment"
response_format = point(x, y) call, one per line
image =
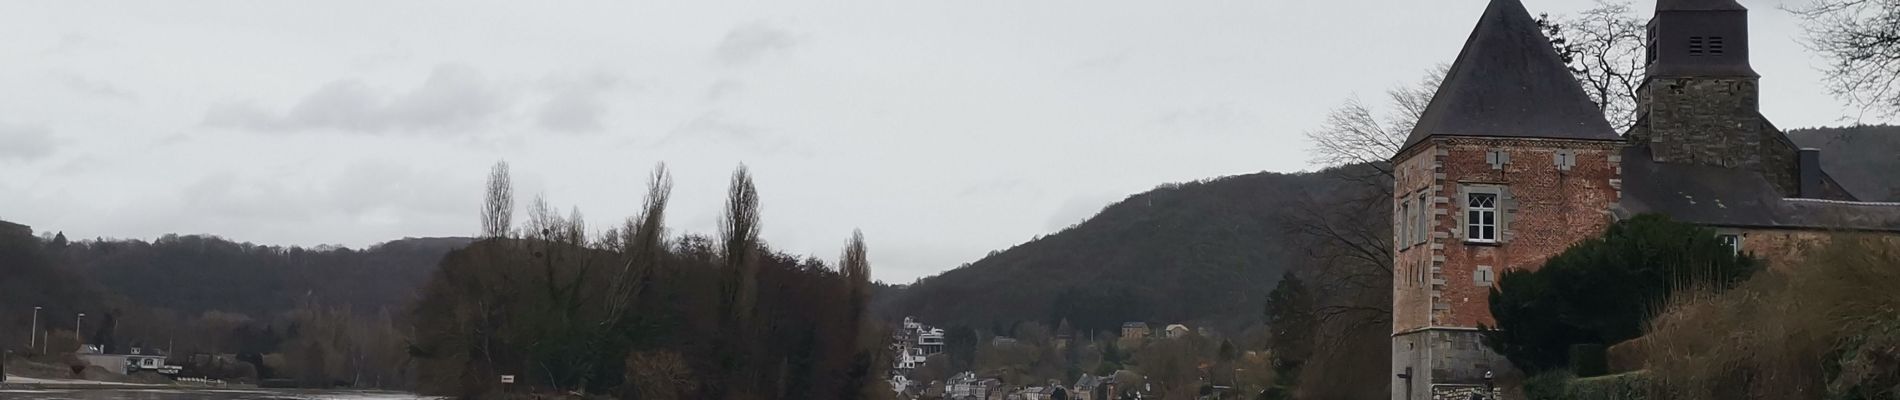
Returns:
point(1826, 328)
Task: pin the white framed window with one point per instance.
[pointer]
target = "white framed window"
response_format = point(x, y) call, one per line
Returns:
point(1405, 224)
point(1481, 217)
point(1424, 219)
point(1483, 276)
point(1566, 159)
point(1733, 241)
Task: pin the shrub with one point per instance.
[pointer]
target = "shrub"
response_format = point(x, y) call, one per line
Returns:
point(1602, 290)
point(1625, 386)
point(1548, 386)
point(1589, 359)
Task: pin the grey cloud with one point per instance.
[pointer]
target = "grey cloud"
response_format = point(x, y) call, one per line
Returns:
point(452, 98)
point(1216, 118)
point(71, 43)
point(575, 104)
point(25, 142)
point(716, 126)
point(723, 88)
point(746, 44)
point(1099, 63)
point(93, 87)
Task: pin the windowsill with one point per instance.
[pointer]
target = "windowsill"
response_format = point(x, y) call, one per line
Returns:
point(1491, 243)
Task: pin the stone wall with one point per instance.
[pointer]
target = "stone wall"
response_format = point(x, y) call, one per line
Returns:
point(1460, 392)
point(1711, 121)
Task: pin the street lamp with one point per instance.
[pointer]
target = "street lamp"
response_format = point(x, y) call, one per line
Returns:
point(76, 336)
point(33, 336)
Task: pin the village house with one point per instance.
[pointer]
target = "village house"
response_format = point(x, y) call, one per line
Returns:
point(1176, 331)
point(913, 342)
point(1090, 387)
point(1134, 330)
point(138, 359)
point(1511, 163)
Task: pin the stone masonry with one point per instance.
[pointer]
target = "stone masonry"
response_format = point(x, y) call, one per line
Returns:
point(1552, 193)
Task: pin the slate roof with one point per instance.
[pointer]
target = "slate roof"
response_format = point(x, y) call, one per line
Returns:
point(1508, 82)
point(1732, 197)
point(1699, 5)
point(6, 226)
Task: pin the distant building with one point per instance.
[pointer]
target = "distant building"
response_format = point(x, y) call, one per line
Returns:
point(9, 228)
point(1135, 330)
point(912, 342)
point(1089, 387)
point(1176, 331)
point(122, 364)
point(967, 386)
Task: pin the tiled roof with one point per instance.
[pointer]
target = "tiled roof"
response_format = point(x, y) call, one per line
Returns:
point(1508, 82)
point(1718, 196)
point(1699, 5)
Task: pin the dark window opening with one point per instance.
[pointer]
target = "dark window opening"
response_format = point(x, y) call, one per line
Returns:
point(1715, 45)
point(1695, 45)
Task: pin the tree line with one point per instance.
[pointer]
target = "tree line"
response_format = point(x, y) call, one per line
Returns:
point(639, 312)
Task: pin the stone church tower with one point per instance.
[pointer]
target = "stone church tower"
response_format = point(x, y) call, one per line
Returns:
point(1509, 164)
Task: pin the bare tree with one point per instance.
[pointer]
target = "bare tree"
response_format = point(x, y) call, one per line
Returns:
point(1346, 233)
point(498, 207)
point(1359, 133)
point(1603, 47)
point(643, 242)
point(1861, 40)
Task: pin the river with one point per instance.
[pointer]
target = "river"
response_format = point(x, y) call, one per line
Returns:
point(198, 394)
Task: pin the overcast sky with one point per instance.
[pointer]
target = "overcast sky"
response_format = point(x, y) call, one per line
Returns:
point(943, 129)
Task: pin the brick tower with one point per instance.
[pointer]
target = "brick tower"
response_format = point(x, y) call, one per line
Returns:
point(1508, 165)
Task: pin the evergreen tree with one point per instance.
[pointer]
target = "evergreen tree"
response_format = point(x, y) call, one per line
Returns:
point(1602, 290)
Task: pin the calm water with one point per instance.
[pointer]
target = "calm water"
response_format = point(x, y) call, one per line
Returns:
point(193, 394)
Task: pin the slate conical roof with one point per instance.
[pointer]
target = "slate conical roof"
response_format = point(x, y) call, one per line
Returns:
point(1508, 82)
point(1698, 5)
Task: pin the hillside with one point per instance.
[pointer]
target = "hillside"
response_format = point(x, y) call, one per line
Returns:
point(193, 274)
point(1862, 158)
point(1205, 251)
point(30, 277)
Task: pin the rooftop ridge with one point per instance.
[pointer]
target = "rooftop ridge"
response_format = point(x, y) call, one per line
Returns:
point(1844, 202)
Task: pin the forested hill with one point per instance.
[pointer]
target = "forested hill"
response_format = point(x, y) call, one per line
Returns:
point(1865, 159)
point(1205, 251)
point(193, 274)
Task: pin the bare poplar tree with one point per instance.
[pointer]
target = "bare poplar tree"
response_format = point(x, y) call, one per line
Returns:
point(1603, 47)
point(498, 207)
point(644, 241)
point(738, 286)
point(1861, 40)
point(740, 231)
point(855, 264)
